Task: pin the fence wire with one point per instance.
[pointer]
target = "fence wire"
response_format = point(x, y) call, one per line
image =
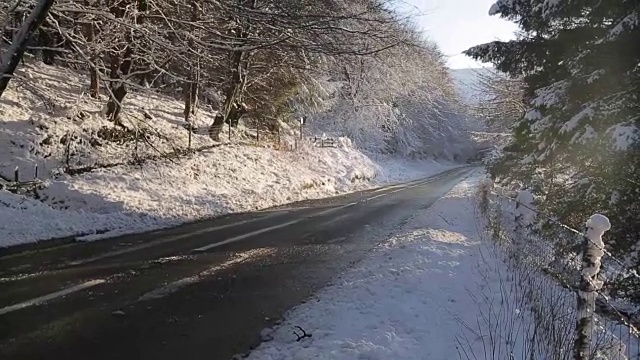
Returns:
point(547, 272)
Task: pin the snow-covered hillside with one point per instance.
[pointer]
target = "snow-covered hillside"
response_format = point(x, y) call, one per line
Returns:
point(100, 178)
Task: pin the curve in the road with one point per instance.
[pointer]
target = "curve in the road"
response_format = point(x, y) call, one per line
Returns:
point(203, 288)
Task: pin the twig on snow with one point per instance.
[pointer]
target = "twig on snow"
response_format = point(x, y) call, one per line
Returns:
point(304, 334)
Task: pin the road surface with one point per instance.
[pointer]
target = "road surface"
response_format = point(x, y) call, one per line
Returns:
point(200, 291)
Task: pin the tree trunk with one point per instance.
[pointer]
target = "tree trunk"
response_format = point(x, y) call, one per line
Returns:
point(190, 87)
point(94, 85)
point(190, 94)
point(188, 99)
point(119, 72)
point(117, 89)
point(46, 41)
point(233, 107)
point(216, 127)
point(12, 56)
point(231, 117)
point(195, 86)
point(117, 85)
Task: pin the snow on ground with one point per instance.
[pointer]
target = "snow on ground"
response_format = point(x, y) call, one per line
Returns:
point(406, 300)
point(49, 122)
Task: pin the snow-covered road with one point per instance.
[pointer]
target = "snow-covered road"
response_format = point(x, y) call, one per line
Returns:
point(405, 301)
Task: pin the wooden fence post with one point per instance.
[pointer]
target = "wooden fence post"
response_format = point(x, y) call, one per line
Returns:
point(589, 285)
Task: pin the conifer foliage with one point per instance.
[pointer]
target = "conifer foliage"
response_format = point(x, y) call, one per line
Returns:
point(578, 144)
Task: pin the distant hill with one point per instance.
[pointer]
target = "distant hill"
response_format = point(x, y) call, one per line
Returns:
point(465, 80)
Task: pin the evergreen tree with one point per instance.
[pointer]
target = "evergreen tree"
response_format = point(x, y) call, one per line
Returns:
point(578, 145)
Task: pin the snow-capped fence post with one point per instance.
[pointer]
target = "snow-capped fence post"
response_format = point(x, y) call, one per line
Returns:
point(597, 225)
point(485, 188)
point(524, 215)
point(16, 175)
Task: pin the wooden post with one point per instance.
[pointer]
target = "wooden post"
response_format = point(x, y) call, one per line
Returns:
point(589, 285)
point(485, 188)
point(16, 174)
point(524, 216)
point(35, 172)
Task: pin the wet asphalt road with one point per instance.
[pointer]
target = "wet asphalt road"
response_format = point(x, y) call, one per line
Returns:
point(200, 291)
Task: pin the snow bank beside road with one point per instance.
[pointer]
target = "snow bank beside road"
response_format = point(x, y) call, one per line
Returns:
point(222, 180)
point(402, 301)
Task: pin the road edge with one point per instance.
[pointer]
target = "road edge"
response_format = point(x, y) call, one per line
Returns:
point(58, 242)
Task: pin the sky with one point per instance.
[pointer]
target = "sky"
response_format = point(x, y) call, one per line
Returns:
point(457, 25)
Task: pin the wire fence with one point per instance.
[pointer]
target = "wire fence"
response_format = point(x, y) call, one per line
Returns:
point(261, 135)
point(543, 305)
point(83, 152)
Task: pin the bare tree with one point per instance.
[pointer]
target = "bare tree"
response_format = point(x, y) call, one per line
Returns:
point(291, 33)
point(190, 87)
point(251, 55)
point(12, 56)
point(501, 98)
point(121, 61)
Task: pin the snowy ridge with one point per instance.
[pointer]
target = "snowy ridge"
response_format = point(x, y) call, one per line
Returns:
point(405, 301)
point(467, 83)
point(53, 124)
